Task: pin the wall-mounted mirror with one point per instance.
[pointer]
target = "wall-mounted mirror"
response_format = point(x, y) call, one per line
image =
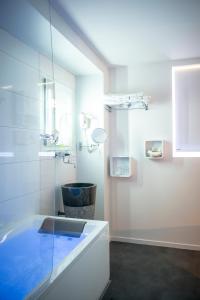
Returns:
point(99, 135)
point(56, 114)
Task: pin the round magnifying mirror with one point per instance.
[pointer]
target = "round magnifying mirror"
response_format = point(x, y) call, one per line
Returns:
point(99, 135)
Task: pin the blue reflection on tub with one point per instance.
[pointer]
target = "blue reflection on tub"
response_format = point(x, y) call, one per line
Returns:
point(27, 260)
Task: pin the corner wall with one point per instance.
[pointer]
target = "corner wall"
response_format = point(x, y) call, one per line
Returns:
point(90, 166)
point(160, 204)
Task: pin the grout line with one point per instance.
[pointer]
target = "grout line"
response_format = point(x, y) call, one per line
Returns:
point(20, 162)
point(18, 59)
point(20, 196)
point(21, 128)
point(20, 94)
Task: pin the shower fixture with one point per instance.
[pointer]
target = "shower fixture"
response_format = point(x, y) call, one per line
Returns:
point(49, 138)
point(66, 157)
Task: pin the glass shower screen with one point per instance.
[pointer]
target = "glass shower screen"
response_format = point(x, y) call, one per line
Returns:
point(27, 167)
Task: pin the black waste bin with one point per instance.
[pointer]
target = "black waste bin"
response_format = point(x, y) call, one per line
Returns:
point(79, 200)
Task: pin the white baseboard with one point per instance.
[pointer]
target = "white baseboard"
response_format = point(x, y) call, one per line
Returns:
point(155, 243)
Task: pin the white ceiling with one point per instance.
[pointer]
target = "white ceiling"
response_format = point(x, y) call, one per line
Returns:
point(126, 32)
point(36, 34)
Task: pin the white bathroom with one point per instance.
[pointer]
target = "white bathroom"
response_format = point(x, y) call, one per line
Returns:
point(100, 150)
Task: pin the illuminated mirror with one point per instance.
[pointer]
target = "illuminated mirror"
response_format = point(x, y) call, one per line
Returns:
point(63, 115)
point(48, 107)
point(56, 114)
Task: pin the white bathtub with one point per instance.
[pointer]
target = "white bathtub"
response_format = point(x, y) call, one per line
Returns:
point(82, 274)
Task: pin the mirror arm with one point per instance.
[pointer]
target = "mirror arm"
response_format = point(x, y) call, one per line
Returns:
point(91, 148)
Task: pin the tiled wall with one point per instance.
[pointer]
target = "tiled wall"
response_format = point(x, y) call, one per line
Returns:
point(27, 182)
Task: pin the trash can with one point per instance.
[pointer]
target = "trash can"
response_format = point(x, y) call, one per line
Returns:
point(79, 200)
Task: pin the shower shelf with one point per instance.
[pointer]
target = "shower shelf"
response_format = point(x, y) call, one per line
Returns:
point(154, 149)
point(121, 166)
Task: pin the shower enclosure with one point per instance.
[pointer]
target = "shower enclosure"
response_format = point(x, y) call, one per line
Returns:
point(35, 105)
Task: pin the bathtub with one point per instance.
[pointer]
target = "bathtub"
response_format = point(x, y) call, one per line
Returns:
point(54, 267)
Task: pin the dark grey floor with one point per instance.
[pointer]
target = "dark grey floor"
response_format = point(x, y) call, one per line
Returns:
point(141, 272)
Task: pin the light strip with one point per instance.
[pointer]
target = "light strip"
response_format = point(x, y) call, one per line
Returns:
point(186, 67)
point(174, 151)
point(173, 114)
point(186, 154)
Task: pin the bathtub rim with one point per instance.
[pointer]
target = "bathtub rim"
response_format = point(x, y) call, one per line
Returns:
point(92, 230)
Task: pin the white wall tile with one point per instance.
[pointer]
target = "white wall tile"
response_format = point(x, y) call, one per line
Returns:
point(17, 209)
point(47, 173)
point(19, 111)
point(18, 50)
point(64, 172)
point(18, 179)
point(47, 204)
point(19, 145)
point(20, 78)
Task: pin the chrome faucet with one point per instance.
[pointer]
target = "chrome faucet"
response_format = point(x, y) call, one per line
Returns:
point(49, 138)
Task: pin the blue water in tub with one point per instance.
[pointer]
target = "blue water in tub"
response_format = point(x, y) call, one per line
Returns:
point(27, 260)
